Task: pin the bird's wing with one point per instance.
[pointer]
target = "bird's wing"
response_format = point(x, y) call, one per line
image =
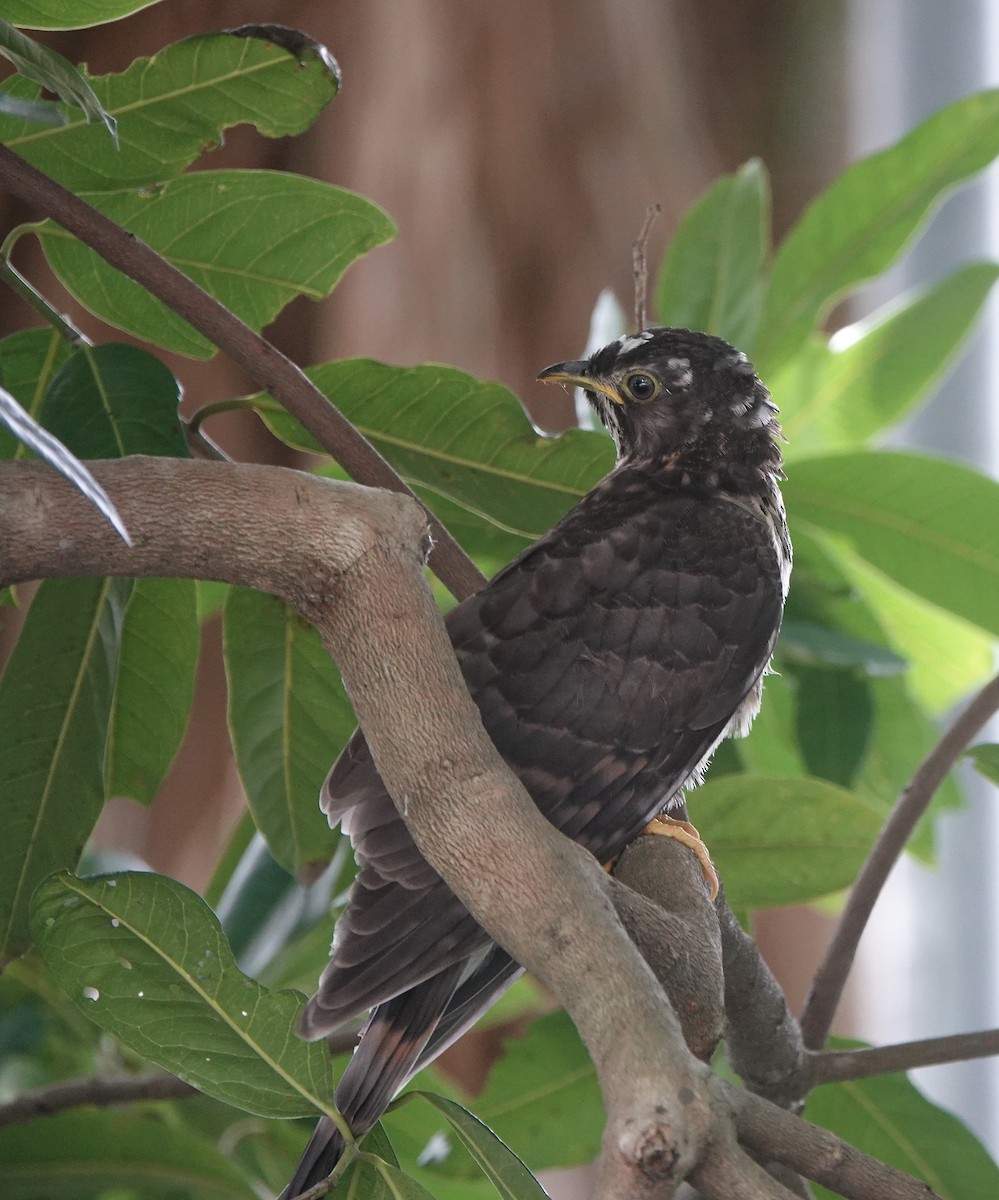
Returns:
point(606, 661)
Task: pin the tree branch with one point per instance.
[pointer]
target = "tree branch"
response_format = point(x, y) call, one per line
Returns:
point(350, 560)
point(830, 978)
point(833, 1066)
point(97, 1090)
point(665, 908)
point(763, 1039)
point(262, 361)
point(773, 1133)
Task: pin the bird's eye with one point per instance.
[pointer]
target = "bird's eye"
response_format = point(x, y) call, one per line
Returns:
point(641, 387)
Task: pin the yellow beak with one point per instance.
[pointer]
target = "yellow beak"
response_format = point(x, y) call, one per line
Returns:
point(575, 373)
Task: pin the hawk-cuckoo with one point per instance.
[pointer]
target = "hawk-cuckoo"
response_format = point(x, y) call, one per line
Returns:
point(608, 661)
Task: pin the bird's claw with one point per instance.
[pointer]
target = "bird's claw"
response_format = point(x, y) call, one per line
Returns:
point(687, 834)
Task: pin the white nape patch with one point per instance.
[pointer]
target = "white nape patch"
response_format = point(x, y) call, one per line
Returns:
point(683, 376)
point(736, 361)
point(632, 341)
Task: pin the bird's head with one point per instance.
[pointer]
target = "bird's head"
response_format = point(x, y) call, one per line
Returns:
point(677, 398)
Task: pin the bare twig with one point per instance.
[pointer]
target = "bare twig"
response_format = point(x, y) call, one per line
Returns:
point(640, 265)
point(58, 1097)
point(262, 361)
point(832, 1066)
point(830, 978)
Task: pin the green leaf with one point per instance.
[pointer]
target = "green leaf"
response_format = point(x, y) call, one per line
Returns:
point(908, 514)
point(44, 112)
point(836, 396)
point(806, 644)
point(174, 106)
point(154, 689)
point(55, 698)
point(712, 275)
point(112, 400)
point(505, 1171)
point(289, 716)
point(824, 592)
point(467, 440)
point(782, 841)
point(888, 1118)
point(947, 655)
point(372, 1178)
point(771, 747)
point(835, 715)
point(108, 401)
point(84, 1155)
point(542, 1097)
point(864, 219)
point(144, 957)
point(48, 68)
point(986, 760)
point(28, 361)
point(903, 735)
point(253, 239)
point(70, 14)
point(27, 431)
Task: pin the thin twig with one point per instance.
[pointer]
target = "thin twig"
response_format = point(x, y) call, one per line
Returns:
point(261, 360)
point(640, 265)
point(833, 1066)
point(830, 978)
point(58, 1097)
point(104, 1092)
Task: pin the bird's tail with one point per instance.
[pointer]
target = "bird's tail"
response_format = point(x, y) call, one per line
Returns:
point(388, 1053)
point(321, 1155)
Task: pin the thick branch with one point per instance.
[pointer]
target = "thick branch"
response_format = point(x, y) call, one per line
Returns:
point(773, 1133)
point(262, 361)
point(763, 1039)
point(350, 560)
point(830, 979)
point(833, 1066)
point(668, 915)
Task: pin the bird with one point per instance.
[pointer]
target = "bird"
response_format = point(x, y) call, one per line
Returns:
point(607, 661)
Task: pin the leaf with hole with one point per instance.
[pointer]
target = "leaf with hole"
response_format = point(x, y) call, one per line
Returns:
point(172, 107)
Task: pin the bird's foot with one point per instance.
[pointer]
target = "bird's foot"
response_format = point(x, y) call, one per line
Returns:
point(687, 835)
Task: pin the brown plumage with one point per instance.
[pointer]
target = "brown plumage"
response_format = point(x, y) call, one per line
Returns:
point(608, 660)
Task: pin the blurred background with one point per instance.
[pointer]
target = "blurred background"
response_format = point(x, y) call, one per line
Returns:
point(517, 147)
